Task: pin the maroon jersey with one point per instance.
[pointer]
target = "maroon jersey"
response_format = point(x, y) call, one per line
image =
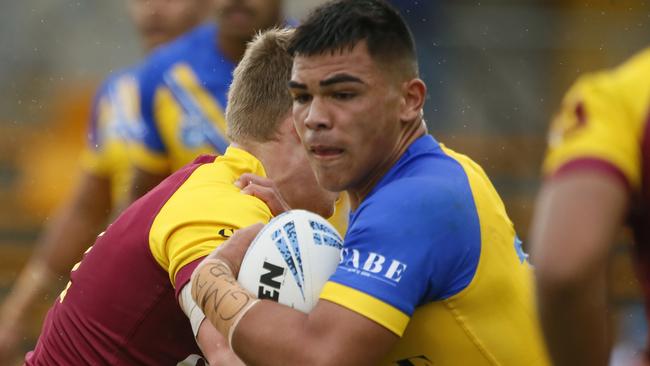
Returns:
point(121, 307)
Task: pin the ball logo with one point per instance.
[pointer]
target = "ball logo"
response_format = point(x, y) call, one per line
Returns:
point(286, 240)
point(291, 259)
point(269, 287)
point(323, 235)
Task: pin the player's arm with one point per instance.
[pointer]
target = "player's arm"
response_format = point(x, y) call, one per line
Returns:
point(593, 163)
point(212, 344)
point(359, 317)
point(71, 231)
point(142, 182)
point(576, 220)
point(275, 334)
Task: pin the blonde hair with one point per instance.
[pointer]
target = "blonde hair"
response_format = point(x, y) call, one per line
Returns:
point(259, 98)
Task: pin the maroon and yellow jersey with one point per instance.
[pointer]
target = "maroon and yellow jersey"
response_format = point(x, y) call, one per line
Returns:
point(120, 307)
point(604, 125)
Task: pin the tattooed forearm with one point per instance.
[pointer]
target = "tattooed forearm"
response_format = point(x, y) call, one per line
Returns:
point(222, 299)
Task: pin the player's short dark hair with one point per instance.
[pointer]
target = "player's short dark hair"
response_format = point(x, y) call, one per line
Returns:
point(340, 25)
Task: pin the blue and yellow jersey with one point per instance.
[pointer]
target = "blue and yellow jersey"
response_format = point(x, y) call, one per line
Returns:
point(431, 255)
point(113, 122)
point(183, 90)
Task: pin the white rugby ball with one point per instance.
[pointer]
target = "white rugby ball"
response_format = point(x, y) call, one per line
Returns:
point(291, 259)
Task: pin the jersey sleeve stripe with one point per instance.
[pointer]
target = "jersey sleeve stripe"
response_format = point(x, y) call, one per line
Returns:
point(184, 275)
point(376, 310)
point(592, 164)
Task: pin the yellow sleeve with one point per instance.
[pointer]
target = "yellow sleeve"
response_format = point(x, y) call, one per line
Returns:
point(94, 162)
point(372, 308)
point(200, 216)
point(601, 125)
point(95, 157)
point(145, 159)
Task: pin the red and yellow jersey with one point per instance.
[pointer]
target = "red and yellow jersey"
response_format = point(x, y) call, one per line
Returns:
point(114, 118)
point(204, 212)
point(604, 125)
point(120, 307)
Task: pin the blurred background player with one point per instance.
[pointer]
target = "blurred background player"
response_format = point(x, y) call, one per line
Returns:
point(598, 178)
point(183, 89)
point(102, 188)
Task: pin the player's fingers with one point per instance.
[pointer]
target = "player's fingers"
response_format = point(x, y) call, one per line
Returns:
point(269, 195)
point(247, 234)
point(249, 178)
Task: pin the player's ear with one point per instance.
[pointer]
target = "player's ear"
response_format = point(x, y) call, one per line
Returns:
point(414, 92)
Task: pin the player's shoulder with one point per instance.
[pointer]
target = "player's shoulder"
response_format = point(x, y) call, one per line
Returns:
point(426, 185)
point(628, 78)
point(639, 64)
point(181, 49)
point(114, 77)
point(212, 176)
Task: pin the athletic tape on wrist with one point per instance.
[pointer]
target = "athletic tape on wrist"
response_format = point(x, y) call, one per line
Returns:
point(223, 300)
point(191, 309)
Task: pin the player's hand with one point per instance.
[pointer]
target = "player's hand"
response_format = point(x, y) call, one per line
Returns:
point(264, 189)
point(232, 251)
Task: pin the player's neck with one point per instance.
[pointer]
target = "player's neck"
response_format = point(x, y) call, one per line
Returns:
point(232, 48)
point(412, 133)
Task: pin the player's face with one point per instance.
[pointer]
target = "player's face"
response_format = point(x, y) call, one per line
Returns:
point(160, 21)
point(294, 177)
point(347, 112)
point(243, 18)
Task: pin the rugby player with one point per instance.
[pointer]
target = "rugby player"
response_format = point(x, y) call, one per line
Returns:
point(105, 171)
point(432, 272)
point(121, 305)
point(184, 87)
point(597, 179)
point(183, 94)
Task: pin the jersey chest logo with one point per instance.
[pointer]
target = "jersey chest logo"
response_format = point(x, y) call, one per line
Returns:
point(414, 361)
point(374, 265)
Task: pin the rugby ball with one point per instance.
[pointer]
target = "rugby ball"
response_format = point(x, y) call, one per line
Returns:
point(291, 259)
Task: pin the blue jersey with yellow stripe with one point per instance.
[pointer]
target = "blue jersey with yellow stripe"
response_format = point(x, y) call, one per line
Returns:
point(431, 255)
point(183, 90)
